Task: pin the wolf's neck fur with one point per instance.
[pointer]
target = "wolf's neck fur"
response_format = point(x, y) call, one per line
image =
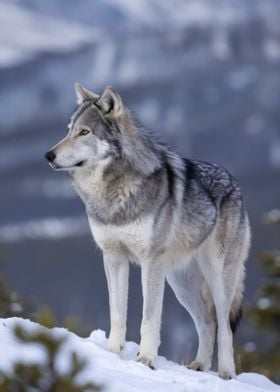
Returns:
point(109, 177)
point(116, 190)
point(138, 147)
point(114, 193)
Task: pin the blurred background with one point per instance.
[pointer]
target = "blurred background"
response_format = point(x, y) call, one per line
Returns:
point(204, 74)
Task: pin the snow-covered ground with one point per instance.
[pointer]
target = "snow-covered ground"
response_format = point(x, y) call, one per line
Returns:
point(121, 374)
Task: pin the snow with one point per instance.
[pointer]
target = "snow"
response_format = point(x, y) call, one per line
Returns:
point(51, 228)
point(120, 374)
point(36, 33)
point(179, 13)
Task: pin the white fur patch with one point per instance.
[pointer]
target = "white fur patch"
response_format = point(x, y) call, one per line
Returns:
point(80, 98)
point(102, 148)
point(136, 236)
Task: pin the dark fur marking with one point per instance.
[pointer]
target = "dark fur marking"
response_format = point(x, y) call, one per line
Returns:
point(111, 125)
point(170, 178)
point(227, 197)
point(190, 169)
point(192, 174)
point(117, 146)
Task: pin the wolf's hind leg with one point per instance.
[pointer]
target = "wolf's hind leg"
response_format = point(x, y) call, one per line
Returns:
point(222, 293)
point(222, 264)
point(187, 283)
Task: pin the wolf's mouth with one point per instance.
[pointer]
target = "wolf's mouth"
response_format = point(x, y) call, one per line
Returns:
point(79, 164)
point(55, 166)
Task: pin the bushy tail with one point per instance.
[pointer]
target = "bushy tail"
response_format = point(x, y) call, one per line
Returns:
point(235, 315)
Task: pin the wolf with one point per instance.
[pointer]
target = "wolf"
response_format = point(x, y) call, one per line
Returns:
point(181, 220)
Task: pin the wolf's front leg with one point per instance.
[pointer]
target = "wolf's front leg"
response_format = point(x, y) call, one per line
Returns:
point(116, 269)
point(153, 276)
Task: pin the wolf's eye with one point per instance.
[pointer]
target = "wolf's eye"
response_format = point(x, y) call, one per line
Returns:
point(83, 132)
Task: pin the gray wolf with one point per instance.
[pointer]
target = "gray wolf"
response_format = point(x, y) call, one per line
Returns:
point(182, 220)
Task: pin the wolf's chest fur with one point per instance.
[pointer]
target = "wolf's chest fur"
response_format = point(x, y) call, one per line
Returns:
point(104, 197)
point(116, 196)
point(112, 212)
point(134, 239)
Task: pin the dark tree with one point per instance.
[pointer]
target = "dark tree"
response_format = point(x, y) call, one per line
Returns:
point(264, 313)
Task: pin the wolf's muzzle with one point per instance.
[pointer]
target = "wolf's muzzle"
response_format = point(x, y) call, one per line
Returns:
point(50, 156)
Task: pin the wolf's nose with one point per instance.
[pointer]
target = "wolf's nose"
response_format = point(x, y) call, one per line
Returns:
point(50, 156)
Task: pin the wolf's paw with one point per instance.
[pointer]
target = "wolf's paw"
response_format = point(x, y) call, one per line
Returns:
point(227, 374)
point(114, 348)
point(197, 365)
point(146, 361)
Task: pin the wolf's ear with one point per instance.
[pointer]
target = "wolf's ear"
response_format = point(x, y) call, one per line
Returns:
point(110, 102)
point(83, 94)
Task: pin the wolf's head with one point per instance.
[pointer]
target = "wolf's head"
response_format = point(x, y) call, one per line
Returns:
point(100, 131)
point(94, 131)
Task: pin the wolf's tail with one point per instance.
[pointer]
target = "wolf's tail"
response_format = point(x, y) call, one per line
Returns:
point(235, 314)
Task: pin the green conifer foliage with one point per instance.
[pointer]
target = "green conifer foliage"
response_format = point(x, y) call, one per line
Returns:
point(264, 313)
point(45, 377)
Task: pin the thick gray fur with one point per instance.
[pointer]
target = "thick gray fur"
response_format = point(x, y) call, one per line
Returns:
point(182, 220)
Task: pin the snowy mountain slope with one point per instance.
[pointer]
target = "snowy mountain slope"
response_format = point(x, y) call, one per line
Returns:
point(155, 14)
point(121, 374)
point(124, 43)
point(25, 33)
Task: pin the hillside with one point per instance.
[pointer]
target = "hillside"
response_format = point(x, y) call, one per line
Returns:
point(119, 374)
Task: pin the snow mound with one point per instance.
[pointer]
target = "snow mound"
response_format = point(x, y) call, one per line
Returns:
point(120, 374)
